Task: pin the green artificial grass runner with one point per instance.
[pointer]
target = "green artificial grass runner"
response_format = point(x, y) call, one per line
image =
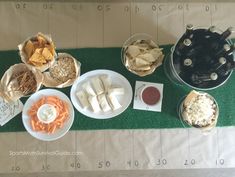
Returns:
point(110, 58)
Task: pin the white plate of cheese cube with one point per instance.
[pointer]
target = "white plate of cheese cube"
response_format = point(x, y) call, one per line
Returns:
point(101, 94)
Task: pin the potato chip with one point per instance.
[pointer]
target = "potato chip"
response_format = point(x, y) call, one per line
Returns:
point(141, 62)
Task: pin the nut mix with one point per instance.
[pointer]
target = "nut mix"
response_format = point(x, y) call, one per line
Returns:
point(63, 70)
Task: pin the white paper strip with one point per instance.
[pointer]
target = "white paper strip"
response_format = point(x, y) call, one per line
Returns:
point(107, 150)
point(109, 23)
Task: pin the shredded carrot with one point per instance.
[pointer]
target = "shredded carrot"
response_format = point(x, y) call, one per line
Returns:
point(32, 124)
point(62, 114)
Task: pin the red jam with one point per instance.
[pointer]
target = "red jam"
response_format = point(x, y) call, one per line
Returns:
point(150, 95)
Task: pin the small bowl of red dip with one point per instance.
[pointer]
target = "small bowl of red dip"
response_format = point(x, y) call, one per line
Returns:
point(150, 95)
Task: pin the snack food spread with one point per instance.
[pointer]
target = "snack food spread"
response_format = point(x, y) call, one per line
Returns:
point(97, 93)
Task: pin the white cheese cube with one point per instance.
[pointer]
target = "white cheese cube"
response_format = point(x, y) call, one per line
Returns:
point(82, 97)
point(94, 103)
point(89, 90)
point(106, 81)
point(97, 85)
point(116, 91)
point(114, 102)
point(104, 103)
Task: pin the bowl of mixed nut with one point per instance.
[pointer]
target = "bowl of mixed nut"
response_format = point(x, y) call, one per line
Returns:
point(64, 71)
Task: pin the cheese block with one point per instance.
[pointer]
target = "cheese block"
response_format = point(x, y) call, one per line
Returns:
point(116, 91)
point(104, 103)
point(106, 81)
point(114, 102)
point(97, 85)
point(82, 97)
point(89, 90)
point(94, 104)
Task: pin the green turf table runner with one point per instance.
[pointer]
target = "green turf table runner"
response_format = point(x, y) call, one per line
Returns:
point(110, 58)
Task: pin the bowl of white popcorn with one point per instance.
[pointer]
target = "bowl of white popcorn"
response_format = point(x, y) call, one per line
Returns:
point(199, 110)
